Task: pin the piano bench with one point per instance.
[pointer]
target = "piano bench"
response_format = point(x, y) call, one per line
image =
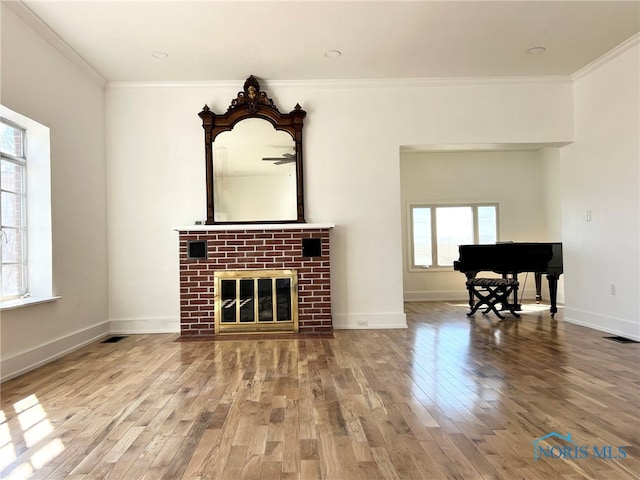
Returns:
point(491, 291)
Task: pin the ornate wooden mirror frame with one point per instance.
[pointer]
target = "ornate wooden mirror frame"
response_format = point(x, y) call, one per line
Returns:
point(252, 103)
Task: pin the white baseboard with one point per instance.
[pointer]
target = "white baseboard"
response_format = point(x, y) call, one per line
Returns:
point(354, 321)
point(33, 358)
point(603, 323)
point(440, 296)
point(139, 326)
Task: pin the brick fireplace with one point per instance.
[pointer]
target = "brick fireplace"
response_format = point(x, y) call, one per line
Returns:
point(207, 249)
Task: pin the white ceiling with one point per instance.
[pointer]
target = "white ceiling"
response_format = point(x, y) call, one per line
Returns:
point(287, 40)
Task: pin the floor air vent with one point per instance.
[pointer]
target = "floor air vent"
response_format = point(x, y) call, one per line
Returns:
point(621, 339)
point(113, 339)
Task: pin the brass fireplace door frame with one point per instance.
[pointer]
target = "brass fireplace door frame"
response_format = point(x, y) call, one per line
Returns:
point(289, 325)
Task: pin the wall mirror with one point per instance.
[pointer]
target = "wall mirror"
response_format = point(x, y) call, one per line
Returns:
point(253, 157)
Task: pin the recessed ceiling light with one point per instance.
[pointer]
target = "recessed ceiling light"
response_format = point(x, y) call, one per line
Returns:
point(535, 50)
point(332, 53)
point(159, 54)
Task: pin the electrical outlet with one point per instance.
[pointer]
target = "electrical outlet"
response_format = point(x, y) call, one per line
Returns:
point(613, 289)
point(587, 215)
point(362, 323)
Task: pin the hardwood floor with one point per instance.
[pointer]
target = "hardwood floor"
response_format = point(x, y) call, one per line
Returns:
point(448, 398)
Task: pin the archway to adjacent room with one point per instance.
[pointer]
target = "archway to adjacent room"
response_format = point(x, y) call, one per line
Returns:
point(522, 180)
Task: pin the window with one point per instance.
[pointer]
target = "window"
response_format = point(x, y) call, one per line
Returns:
point(25, 202)
point(13, 204)
point(437, 230)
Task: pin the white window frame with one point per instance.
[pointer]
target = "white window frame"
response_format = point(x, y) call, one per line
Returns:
point(21, 162)
point(38, 215)
point(434, 234)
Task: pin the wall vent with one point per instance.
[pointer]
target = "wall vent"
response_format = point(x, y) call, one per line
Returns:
point(114, 339)
point(621, 339)
point(311, 247)
point(197, 249)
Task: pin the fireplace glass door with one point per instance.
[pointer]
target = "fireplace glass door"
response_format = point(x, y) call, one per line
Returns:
point(256, 301)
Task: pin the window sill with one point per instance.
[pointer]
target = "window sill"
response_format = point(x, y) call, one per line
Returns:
point(25, 302)
point(432, 269)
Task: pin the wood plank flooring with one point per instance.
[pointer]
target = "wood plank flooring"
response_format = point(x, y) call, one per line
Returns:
point(448, 398)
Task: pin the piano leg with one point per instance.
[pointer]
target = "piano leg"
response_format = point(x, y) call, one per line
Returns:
point(471, 276)
point(516, 305)
point(509, 304)
point(538, 277)
point(553, 292)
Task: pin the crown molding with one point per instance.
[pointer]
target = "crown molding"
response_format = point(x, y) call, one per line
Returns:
point(607, 57)
point(351, 83)
point(422, 82)
point(42, 29)
point(480, 147)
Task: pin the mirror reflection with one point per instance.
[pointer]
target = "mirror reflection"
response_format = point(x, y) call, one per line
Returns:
point(254, 173)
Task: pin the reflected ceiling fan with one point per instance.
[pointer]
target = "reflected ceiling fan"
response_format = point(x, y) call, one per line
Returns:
point(283, 159)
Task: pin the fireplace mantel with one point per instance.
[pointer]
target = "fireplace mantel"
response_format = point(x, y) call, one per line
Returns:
point(253, 226)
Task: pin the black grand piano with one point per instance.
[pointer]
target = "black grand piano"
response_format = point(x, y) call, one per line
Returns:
point(512, 258)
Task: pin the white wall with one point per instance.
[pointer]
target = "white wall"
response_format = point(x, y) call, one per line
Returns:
point(40, 83)
point(513, 179)
point(353, 132)
point(601, 174)
point(552, 192)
